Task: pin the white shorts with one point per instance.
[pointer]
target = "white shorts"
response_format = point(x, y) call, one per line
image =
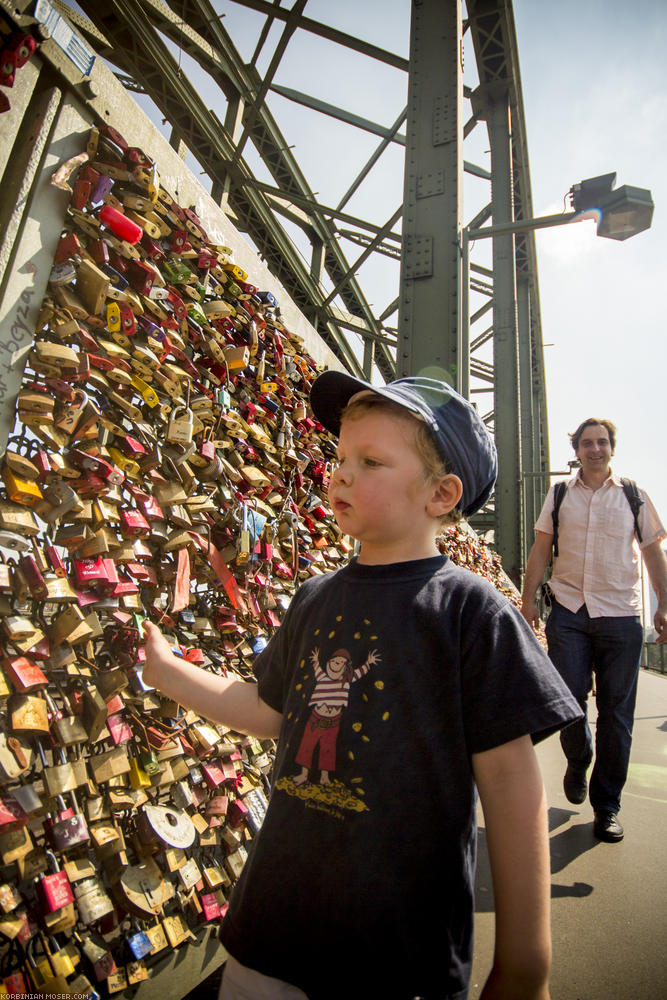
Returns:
point(241, 983)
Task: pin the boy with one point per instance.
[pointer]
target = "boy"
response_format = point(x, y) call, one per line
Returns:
point(360, 882)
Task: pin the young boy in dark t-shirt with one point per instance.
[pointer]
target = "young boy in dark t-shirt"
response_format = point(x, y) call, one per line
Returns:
point(396, 686)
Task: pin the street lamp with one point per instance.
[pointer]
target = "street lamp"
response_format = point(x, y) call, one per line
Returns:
point(620, 213)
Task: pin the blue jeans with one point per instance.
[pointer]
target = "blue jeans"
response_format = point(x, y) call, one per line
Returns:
point(611, 648)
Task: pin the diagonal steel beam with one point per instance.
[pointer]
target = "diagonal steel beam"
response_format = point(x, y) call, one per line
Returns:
point(326, 31)
point(197, 29)
point(140, 51)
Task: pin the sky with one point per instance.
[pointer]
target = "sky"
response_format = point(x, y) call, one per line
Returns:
point(595, 101)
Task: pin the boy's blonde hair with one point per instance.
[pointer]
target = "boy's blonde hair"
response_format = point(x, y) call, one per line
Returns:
point(435, 467)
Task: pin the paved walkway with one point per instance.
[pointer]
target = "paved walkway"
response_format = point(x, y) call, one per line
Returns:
point(609, 901)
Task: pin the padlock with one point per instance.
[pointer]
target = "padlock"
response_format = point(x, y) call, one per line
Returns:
point(42, 970)
point(12, 814)
point(120, 225)
point(68, 831)
point(138, 777)
point(69, 626)
point(181, 426)
point(13, 982)
point(99, 956)
point(92, 900)
point(138, 942)
point(23, 673)
point(176, 929)
point(15, 758)
point(133, 524)
point(19, 489)
point(27, 714)
point(109, 764)
point(59, 500)
point(94, 712)
point(67, 728)
point(53, 890)
point(87, 462)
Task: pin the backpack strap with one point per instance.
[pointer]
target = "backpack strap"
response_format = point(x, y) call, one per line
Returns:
point(635, 501)
point(559, 495)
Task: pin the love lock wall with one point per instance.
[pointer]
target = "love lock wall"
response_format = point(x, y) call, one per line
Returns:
point(159, 460)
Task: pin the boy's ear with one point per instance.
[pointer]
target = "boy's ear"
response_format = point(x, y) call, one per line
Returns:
point(446, 494)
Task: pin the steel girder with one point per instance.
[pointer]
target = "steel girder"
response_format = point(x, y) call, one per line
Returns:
point(521, 428)
point(131, 31)
point(128, 33)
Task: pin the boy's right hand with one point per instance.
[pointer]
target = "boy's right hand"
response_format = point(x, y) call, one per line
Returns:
point(158, 655)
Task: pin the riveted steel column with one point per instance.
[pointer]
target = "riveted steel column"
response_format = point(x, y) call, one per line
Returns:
point(528, 429)
point(430, 262)
point(508, 515)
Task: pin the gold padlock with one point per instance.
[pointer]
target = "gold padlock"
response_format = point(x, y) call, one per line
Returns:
point(237, 358)
point(20, 490)
point(28, 714)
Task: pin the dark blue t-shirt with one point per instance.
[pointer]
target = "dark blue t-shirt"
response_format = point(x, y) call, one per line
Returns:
point(360, 881)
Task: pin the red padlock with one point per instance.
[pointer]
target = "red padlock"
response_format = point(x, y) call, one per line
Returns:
point(54, 890)
point(120, 225)
point(110, 581)
point(108, 473)
point(238, 813)
point(7, 68)
point(210, 906)
point(12, 816)
point(153, 249)
point(140, 276)
point(89, 571)
point(55, 560)
point(33, 577)
point(86, 181)
point(131, 447)
point(133, 524)
point(177, 304)
point(151, 509)
point(214, 774)
point(68, 245)
point(23, 673)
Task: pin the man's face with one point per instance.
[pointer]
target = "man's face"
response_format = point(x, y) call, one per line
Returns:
point(594, 451)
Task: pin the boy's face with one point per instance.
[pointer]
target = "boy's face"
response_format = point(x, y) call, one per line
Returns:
point(379, 493)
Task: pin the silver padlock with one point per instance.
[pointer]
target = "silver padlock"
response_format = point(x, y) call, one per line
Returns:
point(180, 429)
point(92, 901)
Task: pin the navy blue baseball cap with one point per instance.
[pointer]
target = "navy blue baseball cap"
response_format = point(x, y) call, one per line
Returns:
point(460, 434)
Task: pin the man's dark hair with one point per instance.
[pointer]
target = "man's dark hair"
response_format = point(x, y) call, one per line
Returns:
point(589, 422)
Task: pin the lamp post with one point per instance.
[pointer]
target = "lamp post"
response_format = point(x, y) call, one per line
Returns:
point(619, 214)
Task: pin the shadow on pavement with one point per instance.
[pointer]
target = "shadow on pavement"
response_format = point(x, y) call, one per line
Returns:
point(564, 848)
point(571, 844)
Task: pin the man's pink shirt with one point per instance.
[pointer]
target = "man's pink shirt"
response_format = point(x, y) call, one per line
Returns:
point(598, 559)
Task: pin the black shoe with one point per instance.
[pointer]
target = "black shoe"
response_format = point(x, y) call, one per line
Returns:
point(606, 827)
point(575, 785)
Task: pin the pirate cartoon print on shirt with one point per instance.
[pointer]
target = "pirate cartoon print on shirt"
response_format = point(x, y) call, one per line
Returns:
point(318, 749)
point(330, 697)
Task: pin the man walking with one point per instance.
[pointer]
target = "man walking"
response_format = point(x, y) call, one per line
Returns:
point(594, 624)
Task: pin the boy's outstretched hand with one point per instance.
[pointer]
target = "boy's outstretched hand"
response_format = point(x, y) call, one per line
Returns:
point(159, 657)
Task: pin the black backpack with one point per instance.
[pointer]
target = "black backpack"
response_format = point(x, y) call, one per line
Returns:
point(631, 493)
